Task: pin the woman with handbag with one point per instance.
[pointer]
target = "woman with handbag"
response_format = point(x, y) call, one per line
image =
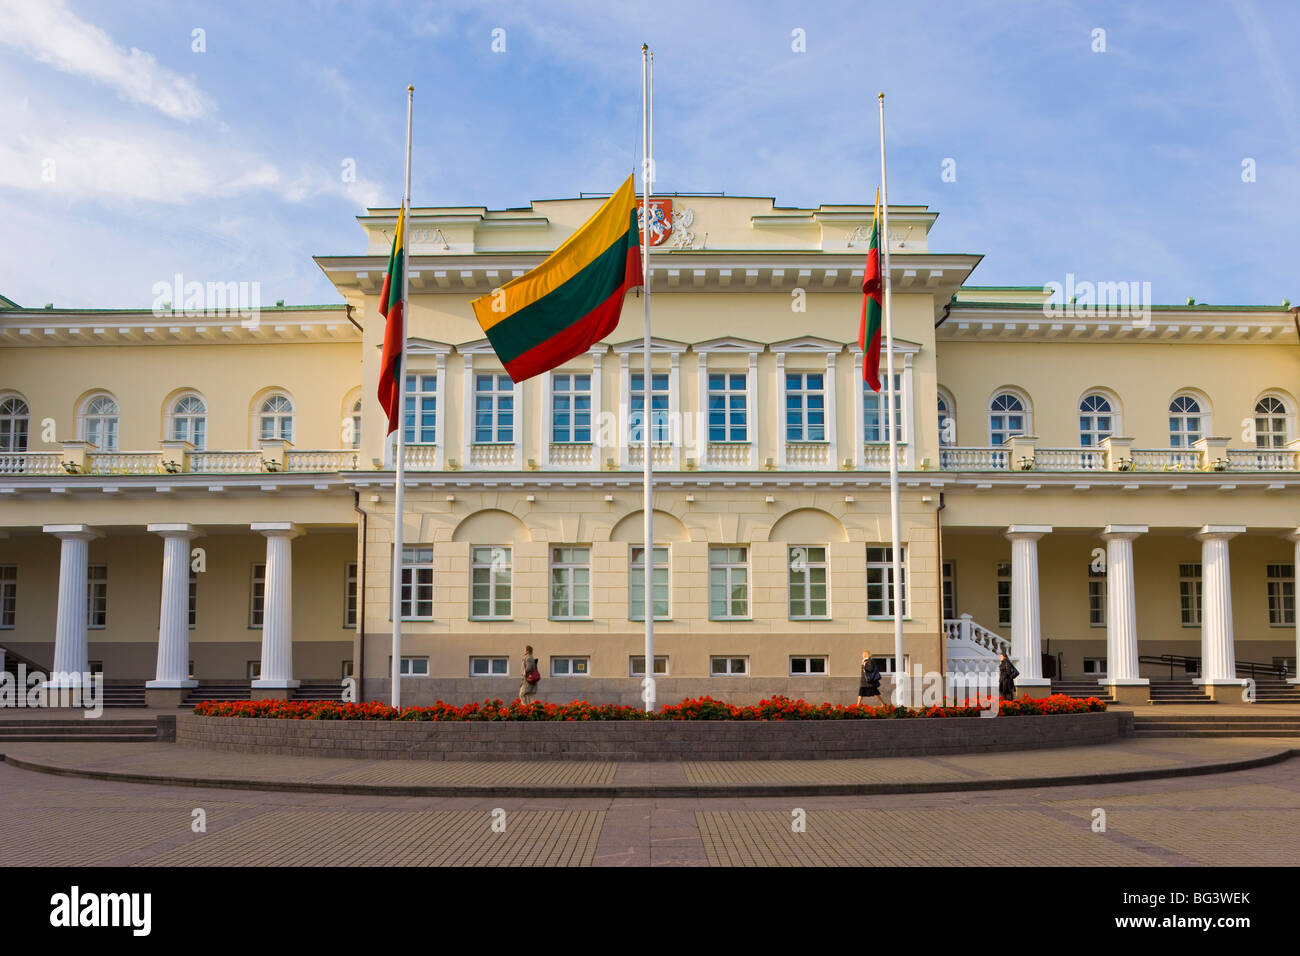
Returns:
point(869, 682)
point(528, 686)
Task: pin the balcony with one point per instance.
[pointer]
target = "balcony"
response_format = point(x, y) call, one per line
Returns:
point(1022, 453)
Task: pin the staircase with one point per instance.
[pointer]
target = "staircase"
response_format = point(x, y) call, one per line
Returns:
point(1178, 692)
point(124, 693)
point(223, 691)
point(319, 690)
point(1275, 690)
point(1082, 688)
point(78, 729)
point(1213, 725)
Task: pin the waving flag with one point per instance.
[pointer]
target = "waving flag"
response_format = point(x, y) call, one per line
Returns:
point(389, 390)
point(872, 301)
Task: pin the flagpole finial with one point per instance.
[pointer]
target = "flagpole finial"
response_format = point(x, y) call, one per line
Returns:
point(645, 47)
point(881, 97)
point(411, 89)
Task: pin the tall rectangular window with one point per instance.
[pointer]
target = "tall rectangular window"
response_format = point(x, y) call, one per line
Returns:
point(494, 409)
point(417, 582)
point(1189, 594)
point(1096, 596)
point(571, 407)
point(97, 595)
point(570, 584)
point(949, 591)
point(728, 412)
point(257, 596)
point(880, 577)
point(636, 584)
point(350, 595)
point(728, 584)
point(8, 595)
point(193, 599)
point(1004, 594)
point(1281, 595)
point(659, 430)
point(808, 583)
point(489, 583)
point(875, 409)
point(420, 417)
point(805, 406)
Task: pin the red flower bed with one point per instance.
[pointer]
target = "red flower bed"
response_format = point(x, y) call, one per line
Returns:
point(700, 708)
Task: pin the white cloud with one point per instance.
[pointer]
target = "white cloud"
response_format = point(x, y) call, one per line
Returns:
point(49, 32)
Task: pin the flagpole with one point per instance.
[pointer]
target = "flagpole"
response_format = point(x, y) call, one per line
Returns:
point(399, 478)
point(647, 502)
point(901, 694)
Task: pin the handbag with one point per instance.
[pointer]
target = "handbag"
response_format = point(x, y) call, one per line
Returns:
point(533, 675)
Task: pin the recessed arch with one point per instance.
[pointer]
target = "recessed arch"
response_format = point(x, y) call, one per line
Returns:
point(491, 526)
point(1010, 412)
point(1190, 417)
point(272, 413)
point(185, 417)
point(1099, 414)
point(808, 526)
point(98, 416)
point(1274, 415)
point(630, 529)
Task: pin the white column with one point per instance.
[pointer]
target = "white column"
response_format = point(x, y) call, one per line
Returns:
point(71, 655)
point(859, 415)
point(467, 417)
point(624, 411)
point(1293, 537)
point(1121, 605)
point(751, 410)
point(1026, 638)
point(544, 432)
point(440, 434)
point(597, 354)
point(832, 400)
point(702, 407)
point(1218, 656)
point(780, 410)
point(675, 411)
point(174, 609)
point(277, 606)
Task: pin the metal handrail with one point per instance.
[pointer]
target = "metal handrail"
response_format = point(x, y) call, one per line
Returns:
point(1193, 664)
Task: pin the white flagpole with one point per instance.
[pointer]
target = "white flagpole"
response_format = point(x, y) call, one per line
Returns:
point(901, 688)
point(647, 502)
point(399, 479)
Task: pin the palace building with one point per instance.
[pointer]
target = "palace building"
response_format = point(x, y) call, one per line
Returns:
point(200, 501)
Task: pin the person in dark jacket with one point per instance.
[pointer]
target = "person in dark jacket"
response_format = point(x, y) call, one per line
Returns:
point(869, 683)
point(1007, 675)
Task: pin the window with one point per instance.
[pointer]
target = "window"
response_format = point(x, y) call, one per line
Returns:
point(570, 407)
point(97, 595)
point(100, 423)
point(728, 414)
point(489, 583)
point(570, 666)
point(570, 584)
point(1189, 594)
point(636, 584)
point(805, 406)
point(874, 411)
point(350, 594)
point(884, 664)
point(1006, 418)
point(636, 665)
point(806, 666)
point(14, 418)
point(489, 666)
point(808, 583)
point(8, 595)
point(494, 409)
point(1096, 596)
point(253, 669)
point(659, 430)
point(417, 582)
point(728, 584)
point(947, 420)
point(880, 577)
point(1094, 666)
point(193, 598)
point(190, 421)
point(356, 425)
point(949, 591)
point(420, 415)
point(1184, 421)
point(1096, 420)
point(728, 666)
point(1281, 595)
point(257, 596)
point(275, 419)
point(1004, 594)
point(412, 666)
point(1270, 423)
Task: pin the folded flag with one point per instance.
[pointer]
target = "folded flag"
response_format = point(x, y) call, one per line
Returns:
point(572, 299)
point(872, 301)
point(390, 392)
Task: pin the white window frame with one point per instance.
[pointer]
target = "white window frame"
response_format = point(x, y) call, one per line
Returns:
point(1181, 435)
point(575, 665)
point(1272, 424)
point(499, 393)
point(1190, 587)
point(878, 434)
point(96, 589)
point(257, 596)
point(808, 660)
point(97, 425)
point(1005, 427)
point(487, 562)
point(14, 412)
point(409, 666)
point(726, 394)
point(491, 661)
point(1095, 666)
point(420, 407)
point(884, 568)
point(634, 671)
point(8, 596)
point(1096, 597)
point(721, 560)
point(729, 665)
point(1091, 429)
point(192, 598)
point(356, 424)
point(417, 579)
point(948, 411)
point(281, 417)
point(1279, 585)
point(1002, 593)
point(661, 430)
point(188, 424)
point(351, 598)
point(804, 391)
point(801, 561)
point(636, 581)
point(572, 569)
point(948, 590)
point(572, 393)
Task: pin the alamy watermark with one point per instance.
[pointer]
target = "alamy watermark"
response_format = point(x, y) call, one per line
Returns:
point(242, 300)
point(35, 689)
point(1072, 299)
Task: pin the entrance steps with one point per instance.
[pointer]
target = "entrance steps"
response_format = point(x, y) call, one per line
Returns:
point(1227, 725)
point(1178, 692)
point(1081, 688)
point(78, 730)
point(319, 690)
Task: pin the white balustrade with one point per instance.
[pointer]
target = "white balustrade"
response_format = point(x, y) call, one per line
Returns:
point(226, 462)
point(729, 454)
point(956, 458)
point(494, 455)
point(807, 454)
point(32, 463)
point(421, 457)
point(572, 454)
point(663, 455)
point(1165, 459)
point(1069, 459)
point(1261, 459)
point(875, 456)
point(317, 461)
point(124, 463)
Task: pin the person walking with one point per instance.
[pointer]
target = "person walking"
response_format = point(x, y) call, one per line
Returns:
point(1007, 675)
point(528, 686)
point(869, 683)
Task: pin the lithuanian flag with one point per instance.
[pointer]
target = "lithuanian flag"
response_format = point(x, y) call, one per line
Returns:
point(390, 392)
point(872, 301)
point(572, 299)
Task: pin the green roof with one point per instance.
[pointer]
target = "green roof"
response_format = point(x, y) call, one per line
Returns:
point(6, 303)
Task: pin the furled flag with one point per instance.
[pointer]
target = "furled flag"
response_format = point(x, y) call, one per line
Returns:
point(872, 300)
point(390, 392)
point(572, 299)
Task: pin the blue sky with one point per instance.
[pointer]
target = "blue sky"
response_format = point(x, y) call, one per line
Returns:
point(227, 164)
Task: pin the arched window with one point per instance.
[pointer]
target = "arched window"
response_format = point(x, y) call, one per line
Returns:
point(14, 417)
point(356, 424)
point(1007, 416)
point(99, 422)
point(275, 418)
point(190, 421)
point(1185, 421)
point(1270, 422)
point(947, 419)
point(1096, 420)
